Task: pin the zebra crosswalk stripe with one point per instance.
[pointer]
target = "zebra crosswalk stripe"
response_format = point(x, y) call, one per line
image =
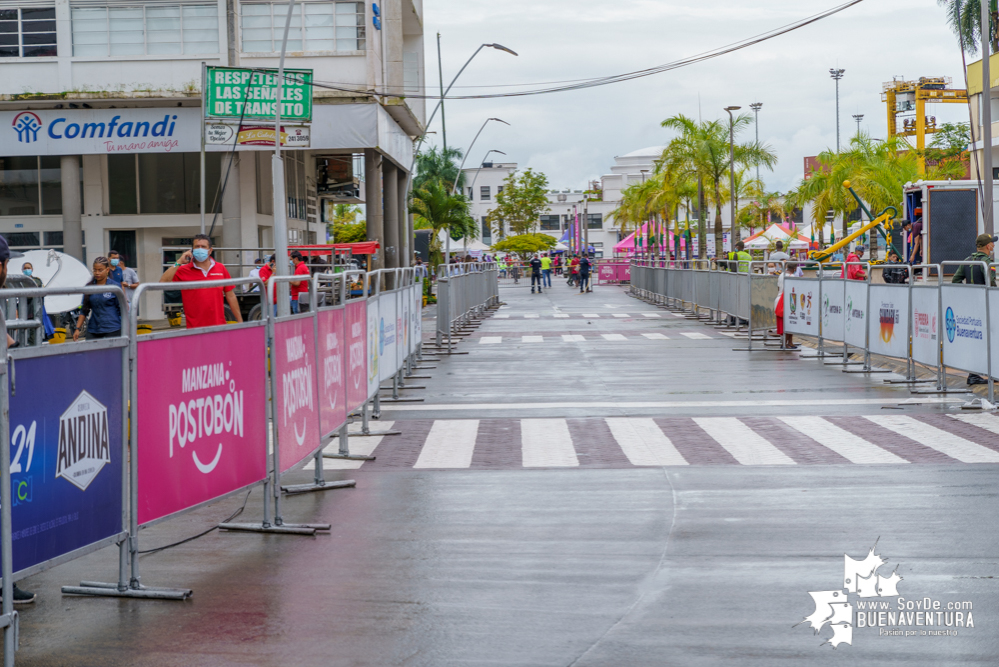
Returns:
point(533, 339)
point(952, 445)
point(490, 340)
point(656, 336)
point(362, 446)
point(696, 335)
point(651, 315)
point(984, 420)
point(851, 447)
point(644, 443)
point(621, 315)
point(742, 442)
point(614, 336)
point(547, 443)
point(572, 338)
point(450, 444)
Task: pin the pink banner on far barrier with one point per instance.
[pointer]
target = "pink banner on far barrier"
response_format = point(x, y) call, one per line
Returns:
point(356, 332)
point(297, 400)
point(332, 388)
point(201, 418)
point(613, 273)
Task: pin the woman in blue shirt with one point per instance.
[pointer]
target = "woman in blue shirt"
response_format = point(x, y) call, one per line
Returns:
point(105, 315)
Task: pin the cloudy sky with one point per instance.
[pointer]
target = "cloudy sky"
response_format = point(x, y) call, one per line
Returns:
point(574, 136)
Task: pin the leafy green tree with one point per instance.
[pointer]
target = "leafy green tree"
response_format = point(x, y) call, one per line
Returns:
point(701, 150)
point(435, 207)
point(525, 245)
point(345, 227)
point(965, 19)
point(523, 199)
point(439, 165)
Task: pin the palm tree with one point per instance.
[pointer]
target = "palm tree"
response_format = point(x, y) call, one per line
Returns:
point(965, 19)
point(439, 165)
point(702, 151)
point(435, 207)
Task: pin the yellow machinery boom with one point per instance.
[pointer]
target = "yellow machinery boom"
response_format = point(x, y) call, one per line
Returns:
point(825, 254)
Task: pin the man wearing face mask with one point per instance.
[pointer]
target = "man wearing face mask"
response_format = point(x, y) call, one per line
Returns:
point(126, 277)
point(203, 307)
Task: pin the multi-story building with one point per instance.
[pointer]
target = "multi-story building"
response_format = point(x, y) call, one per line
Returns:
point(102, 104)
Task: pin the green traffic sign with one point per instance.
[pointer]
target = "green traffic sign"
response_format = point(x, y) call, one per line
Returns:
point(236, 93)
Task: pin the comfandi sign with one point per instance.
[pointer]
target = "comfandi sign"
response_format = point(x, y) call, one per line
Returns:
point(100, 131)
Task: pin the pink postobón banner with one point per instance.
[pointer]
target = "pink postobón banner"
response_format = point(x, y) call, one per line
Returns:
point(332, 388)
point(201, 418)
point(356, 332)
point(614, 273)
point(296, 404)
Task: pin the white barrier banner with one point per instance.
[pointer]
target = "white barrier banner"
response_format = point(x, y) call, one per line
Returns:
point(925, 325)
point(855, 315)
point(404, 330)
point(388, 319)
point(373, 357)
point(965, 338)
point(993, 323)
point(888, 323)
point(833, 320)
point(416, 319)
point(801, 306)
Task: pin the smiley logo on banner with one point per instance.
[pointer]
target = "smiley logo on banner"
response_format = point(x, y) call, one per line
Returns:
point(951, 322)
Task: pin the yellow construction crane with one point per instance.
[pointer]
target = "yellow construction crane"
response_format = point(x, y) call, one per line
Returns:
point(906, 97)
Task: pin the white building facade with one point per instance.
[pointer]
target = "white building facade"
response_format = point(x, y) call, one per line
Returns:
point(102, 104)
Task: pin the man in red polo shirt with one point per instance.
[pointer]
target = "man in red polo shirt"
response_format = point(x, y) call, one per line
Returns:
point(298, 286)
point(202, 307)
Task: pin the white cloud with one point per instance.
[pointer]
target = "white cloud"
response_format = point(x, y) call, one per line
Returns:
point(574, 136)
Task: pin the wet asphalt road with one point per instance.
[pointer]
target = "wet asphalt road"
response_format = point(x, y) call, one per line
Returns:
point(604, 563)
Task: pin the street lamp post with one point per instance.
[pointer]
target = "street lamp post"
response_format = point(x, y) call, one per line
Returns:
point(756, 106)
point(986, 135)
point(837, 74)
point(465, 157)
point(277, 170)
point(476, 177)
point(731, 180)
point(561, 229)
point(858, 117)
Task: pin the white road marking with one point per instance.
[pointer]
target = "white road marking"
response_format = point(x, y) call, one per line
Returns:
point(644, 443)
point(984, 420)
point(639, 405)
point(532, 339)
point(561, 315)
point(502, 316)
point(546, 443)
point(696, 335)
point(952, 445)
point(572, 338)
point(621, 315)
point(614, 337)
point(656, 336)
point(742, 442)
point(490, 340)
point(846, 444)
point(528, 316)
point(450, 444)
point(363, 446)
point(677, 314)
point(590, 315)
point(651, 315)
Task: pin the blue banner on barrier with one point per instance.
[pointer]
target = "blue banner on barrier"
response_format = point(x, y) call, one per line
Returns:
point(66, 449)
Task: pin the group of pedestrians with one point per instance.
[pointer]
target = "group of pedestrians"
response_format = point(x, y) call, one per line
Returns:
point(542, 267)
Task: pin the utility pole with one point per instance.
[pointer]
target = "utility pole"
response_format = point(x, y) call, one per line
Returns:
point(756, 106)
point(858, 117)
point(986, 122)
point(837, 74)
point(731, 175)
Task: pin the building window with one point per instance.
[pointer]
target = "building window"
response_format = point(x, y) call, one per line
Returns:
point(152, 30)
point(470, 194)
point(487, 232)
point(598, 249)
point(32, 185)
point(594, 221)
point(28, 32)
point(550, 223)
point(326, 26)
point(162, 183)
point(25, 241)
point(484, 192)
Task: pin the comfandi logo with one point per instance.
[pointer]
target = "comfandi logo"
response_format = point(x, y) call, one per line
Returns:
point(84, 446)
point(27, 125)
point(863, 602)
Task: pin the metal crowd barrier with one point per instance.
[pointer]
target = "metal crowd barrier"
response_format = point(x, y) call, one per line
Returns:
point(928, 321)
point(464, 292)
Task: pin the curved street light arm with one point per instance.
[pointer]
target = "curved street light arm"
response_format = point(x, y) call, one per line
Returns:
point(462, 166)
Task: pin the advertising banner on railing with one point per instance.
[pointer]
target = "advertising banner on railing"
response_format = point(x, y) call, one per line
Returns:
point(888, 323)
point(405, 304)
point(993, 326)
point(202, 418)
point(332, 363)
point(372, 335)
point(356, 332)
point(965, 338)
point(297, 397)
point(416, 319)
point(855, 313)
point(66, 454)
point(763, 295)
point(925, 325)
point(387, 334)
point(833, 320)
point(801, 306)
